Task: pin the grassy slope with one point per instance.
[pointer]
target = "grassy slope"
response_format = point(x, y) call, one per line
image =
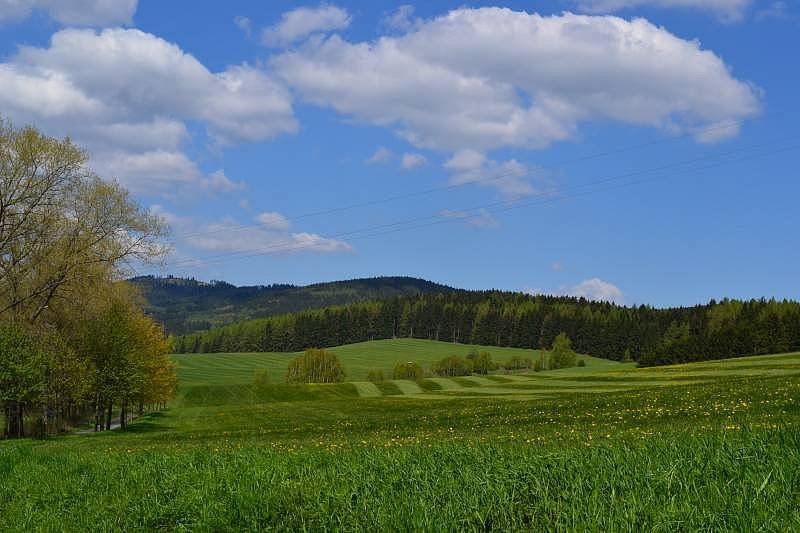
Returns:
point(357, 359)
point(711, 446)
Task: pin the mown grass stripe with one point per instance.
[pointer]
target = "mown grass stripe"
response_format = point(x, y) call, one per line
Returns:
point(367, 389)
point(407, 387)
point(446, 384)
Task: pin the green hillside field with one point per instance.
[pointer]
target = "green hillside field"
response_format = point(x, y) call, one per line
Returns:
point(606, 447)
point(357, 359)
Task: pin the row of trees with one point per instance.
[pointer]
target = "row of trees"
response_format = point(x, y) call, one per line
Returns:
point(645, 334)
point(322, 366)
point(74, 342)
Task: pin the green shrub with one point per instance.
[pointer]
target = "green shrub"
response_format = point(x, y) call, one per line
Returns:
point(582, 362)
point(315, 366)
point(408, 370)
point(483, 363)
point(376, 376)
point(562, 355)
point(453, 365)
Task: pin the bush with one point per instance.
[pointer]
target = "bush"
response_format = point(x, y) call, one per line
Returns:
point(315, 366)
point(376, 376)
point(562, 356)
point(408, 370)
point(538, 366)
point(453, 365)
point(483, 363)
point(262, 379)
point(582, 362)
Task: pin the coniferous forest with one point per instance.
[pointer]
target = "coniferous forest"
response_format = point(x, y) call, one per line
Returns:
point(648, 335)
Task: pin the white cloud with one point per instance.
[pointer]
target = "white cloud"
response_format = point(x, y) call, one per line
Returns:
point(218, 181)
point(481, 218)
point(244, 24)
point(400, 19)
point(302, 22)
point(229, 236)
point(73, 12)
point(595, 289)
point(728, 10)
point(471, 166)
point(162, 173)
point(273, 220)
point(410, 161)
point(155, 172)
point(381, 155)
point(483, 79)
point(591, 289)
point(127, 95)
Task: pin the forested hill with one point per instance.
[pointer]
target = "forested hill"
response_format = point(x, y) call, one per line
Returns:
point(184, 305)
point(645, 334)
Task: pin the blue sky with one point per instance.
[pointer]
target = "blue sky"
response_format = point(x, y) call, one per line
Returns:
point(643, 151)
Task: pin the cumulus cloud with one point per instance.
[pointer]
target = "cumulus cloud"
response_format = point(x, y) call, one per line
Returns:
point(229, 236)
point(481, 218)
point(410, 161)
point(728, 10)
point(482, 79)
point(302, 22)
point(127, 96)
point(381, 155)
point(72, 12)
point(595, 289)
point(273, 220)
point(509, 177)
point(401, 19)
point(218, 181)
point(591, 289)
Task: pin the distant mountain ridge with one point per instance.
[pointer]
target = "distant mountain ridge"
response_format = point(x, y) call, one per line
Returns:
point(184, 305)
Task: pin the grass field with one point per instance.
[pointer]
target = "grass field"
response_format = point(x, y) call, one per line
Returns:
point(357, 359)
point(713, 446)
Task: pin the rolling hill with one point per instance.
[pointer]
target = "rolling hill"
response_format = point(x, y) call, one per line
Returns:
point(184, 305)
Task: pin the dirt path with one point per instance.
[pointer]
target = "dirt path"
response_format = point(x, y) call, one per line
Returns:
point(115, 424)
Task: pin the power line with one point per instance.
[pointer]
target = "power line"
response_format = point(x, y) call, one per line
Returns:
point(481, 181)
point(291, 246)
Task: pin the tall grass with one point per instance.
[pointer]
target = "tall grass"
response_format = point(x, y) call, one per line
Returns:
point(734, 482)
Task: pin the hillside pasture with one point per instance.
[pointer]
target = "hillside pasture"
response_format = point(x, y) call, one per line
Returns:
point(357, 359)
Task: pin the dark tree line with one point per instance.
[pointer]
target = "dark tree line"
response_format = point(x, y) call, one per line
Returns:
point(645, 334)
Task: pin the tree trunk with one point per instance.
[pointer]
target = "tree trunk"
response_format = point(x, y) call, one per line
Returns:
point(21, 422)
point(109, 414)
point(98, 415)
point(7, 421)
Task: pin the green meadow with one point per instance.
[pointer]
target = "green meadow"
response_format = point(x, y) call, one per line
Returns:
point(712, 446)
point(357, 359)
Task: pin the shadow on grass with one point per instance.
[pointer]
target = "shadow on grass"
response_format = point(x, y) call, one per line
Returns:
point(149, 423)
